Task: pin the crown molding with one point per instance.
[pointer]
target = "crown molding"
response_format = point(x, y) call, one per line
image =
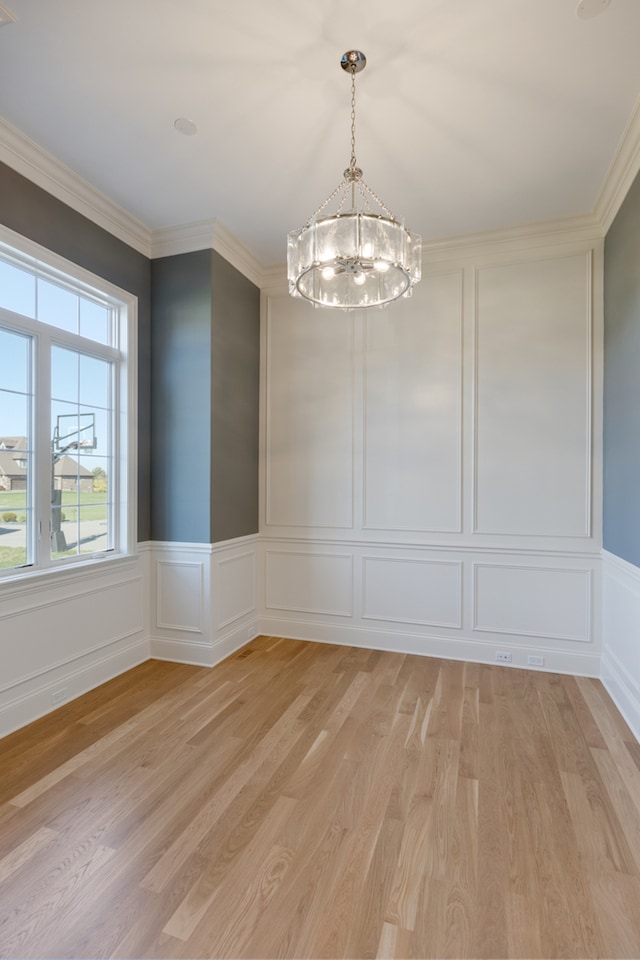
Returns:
point(239, 256)
point(565, 230)
point(203, 235)
point(186, 238)
point(622, 172)
point(29, 159)
point(274, 277)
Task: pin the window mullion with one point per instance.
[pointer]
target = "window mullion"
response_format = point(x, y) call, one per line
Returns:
point(42, 451)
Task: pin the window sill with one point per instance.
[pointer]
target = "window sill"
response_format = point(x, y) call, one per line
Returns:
point(37, 580)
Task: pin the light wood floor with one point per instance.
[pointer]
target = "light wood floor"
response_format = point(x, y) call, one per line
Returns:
point(307, 800)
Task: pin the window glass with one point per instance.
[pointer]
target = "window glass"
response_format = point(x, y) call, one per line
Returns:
point(57, 306)
point(15, 450)
point(17, 290)
point(95, 321)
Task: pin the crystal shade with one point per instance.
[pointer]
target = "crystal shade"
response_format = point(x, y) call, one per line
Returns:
point(353, 260)
point(362, 257)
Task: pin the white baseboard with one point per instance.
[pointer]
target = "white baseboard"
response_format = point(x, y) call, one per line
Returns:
point(623, 690)
point(74, 681)
point(202, 654)
point(620, 663)
point(555, 661)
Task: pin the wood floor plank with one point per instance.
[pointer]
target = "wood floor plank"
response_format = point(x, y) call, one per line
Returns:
point(309, 800)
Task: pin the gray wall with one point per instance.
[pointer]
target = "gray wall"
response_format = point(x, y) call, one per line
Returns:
point(205, 370)
point(181, 397)
point(235, 370)
point(35, 214)
point(622, 381)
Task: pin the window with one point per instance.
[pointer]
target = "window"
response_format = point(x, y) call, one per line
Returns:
point(67, 424)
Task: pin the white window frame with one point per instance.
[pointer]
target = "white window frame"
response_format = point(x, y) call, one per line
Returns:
point(39, 260)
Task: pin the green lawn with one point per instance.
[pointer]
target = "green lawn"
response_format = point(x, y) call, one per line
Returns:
point(14, 501)
point(12, 556)
point(93, 504)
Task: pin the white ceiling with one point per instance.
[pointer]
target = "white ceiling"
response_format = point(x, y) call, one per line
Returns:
point(472, 114)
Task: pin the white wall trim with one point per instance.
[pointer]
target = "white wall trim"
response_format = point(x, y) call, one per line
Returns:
point(203, 235)
point(440, 616)
point(36, 701)
point(219, 586)
point(397, 641)
point(622, 172)
point(620, 662)
point(623, 570)
point(432, 544)
point(33, 162)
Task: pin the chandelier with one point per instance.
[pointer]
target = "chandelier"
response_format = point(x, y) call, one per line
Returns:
point(359, 255)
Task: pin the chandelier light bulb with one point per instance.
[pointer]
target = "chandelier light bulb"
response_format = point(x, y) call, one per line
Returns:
point(360, 255)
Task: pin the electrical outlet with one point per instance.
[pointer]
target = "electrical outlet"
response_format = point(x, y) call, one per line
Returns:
point(502, 656)
point(59, 696)
point(535, 661)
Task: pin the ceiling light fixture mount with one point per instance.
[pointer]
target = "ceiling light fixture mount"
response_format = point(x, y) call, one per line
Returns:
point(360, 255)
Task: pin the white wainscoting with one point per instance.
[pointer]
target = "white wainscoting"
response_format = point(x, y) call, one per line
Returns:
point(413, 590)
point(427, 601)
point(309, 582)
point(620, 666)
point(203, 599)
point(64, 635)
point(548, 602)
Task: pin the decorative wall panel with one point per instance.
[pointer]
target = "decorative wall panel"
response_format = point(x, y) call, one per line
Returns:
point(179, 597)
point(309, 582)
point(309, 416)
point(533, 398)
point(426, 592)
point(234, 588)
point(413, 410)
point(533, 601)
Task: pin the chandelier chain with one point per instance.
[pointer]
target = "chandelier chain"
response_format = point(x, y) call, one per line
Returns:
point(376, 198)
point(343, 185)
point(352, 162)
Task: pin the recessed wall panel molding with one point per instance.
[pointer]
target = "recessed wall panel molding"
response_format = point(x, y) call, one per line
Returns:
point(309, 415)
point(413, 410)
point(533, 601)
point(234, 588)
point(533, 386)
point(427, 592)
point(82, 627)
point(180, 595)
point(78, 632)
point(317, 583)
